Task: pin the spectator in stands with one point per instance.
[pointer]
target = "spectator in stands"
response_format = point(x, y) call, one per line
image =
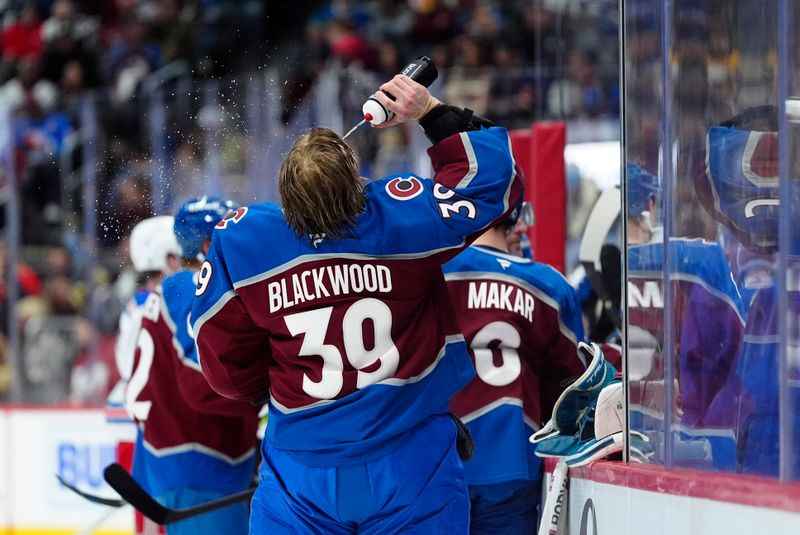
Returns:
point(468, 83)
point(580, 92)
point(21, 38)
point(64, 19)
point(173, 28)
point(72, 86)
point(54, 334)
point(63, 44)
point(130, 59)
point(349, 12)
point(389, 60)
point(434, 22)
point(536, 35)
point(27, 84)
point(389, 19)
point(513, 91)
point(41, 130)
point(130, 202)
point(348, 46)
point(28, 283)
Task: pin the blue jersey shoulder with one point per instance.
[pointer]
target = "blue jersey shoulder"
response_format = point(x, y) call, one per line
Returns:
point(692, 260)
point(484, 259)
point(262, 240)
point(140, 296)
point(178, 293)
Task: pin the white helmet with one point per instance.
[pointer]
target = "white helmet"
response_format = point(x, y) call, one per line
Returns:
point(151, 241)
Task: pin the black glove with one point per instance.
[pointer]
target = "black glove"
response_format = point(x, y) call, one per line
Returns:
point(465, 445)
point(444, 121)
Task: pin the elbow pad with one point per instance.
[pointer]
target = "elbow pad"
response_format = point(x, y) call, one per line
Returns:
point(443, 121)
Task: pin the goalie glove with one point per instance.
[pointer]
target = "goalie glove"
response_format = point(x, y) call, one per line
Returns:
point(570, 407)
point(600, 433)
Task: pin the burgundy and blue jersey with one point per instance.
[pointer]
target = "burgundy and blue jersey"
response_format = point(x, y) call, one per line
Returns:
point(708, 325)
point(191, 437)
point(522, 322)
point(354, 341)
point(124, 350)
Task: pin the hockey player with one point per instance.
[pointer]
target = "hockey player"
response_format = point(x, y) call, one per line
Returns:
point(522, 321)
point(740, 189)
point(707, 318)
point(154, 253)
point(336, 308)
point(195, 445)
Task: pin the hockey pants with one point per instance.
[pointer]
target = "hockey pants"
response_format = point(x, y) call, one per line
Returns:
point(416, 488)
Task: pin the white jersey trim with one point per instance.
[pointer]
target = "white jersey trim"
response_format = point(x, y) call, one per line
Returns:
point(694, 279)
point(171, 324)
point(331, 256)
point(392, 381)
point(198, 448)
point(212, 311)
point(471, 158)
point(513, 258)
point(474, 415)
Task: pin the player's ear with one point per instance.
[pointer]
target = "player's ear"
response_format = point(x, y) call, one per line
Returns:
point(206, 245)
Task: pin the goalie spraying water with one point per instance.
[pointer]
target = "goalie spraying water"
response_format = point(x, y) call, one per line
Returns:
point(335, 308)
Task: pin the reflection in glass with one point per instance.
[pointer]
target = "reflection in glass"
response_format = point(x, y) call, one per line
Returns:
point(741, 192)
point(707, 299)
point(707, 325)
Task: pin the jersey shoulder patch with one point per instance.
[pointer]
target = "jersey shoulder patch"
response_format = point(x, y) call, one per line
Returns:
point(404, 188)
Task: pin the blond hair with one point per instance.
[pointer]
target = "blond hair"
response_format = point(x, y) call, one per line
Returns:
point(321, 190)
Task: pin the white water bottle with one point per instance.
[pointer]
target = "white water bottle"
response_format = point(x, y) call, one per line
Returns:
point(421, 70)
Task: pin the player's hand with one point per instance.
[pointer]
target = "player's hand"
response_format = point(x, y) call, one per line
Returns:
point(411, 100)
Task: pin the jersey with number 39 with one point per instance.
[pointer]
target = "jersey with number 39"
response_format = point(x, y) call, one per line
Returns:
point(522, 321)
point(191, 436)
point(354, 340)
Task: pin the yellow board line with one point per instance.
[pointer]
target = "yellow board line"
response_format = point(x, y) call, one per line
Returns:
point(4, 530)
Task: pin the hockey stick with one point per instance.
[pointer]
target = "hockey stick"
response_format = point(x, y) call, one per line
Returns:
point(591, 254)
point(554, 510)
point(127, 487)
point(111, 502)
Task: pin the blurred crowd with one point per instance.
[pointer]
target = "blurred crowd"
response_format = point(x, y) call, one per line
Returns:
point(513, 61)
point(55, 55)
point(123, 90)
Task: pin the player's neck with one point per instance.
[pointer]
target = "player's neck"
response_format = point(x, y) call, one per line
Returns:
point(495, 238)
point(637, 232)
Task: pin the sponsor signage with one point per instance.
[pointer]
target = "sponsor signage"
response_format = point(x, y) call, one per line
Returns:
point(35, 446)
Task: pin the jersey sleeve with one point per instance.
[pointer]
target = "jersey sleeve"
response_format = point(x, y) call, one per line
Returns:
point(712, 331)
point(192, 386)
point(563, 361)
point(127, 336)
point(476, 181)
point(234, 352)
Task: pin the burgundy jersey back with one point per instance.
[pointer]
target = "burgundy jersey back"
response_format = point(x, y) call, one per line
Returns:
point(522, 322)
point(353, 340)
point(191, 436)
